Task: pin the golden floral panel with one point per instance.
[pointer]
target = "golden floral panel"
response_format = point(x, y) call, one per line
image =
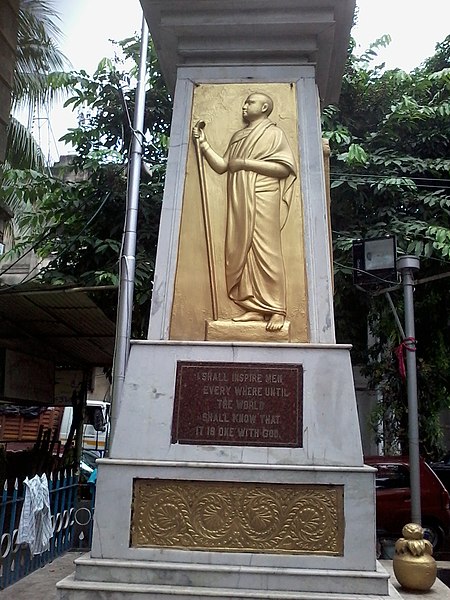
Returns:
point(238, 517)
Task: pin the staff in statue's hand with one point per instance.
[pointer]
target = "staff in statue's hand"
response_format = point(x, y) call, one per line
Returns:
point(200, 142)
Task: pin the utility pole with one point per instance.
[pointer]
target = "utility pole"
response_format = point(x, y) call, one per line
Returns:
point(408, 265)
point(128, 252)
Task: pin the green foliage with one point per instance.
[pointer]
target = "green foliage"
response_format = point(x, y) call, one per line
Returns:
point(38, 80)
point(74, 218)
point(106, 103)
point(38, 55)
point(390, 175)
point(23, 151)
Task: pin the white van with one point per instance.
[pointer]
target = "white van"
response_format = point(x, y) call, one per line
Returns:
point(95, 427)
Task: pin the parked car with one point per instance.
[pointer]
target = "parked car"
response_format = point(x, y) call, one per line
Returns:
point(442, 470)
point(393, 499)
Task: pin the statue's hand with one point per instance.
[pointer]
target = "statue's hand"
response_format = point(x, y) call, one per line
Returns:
point(236, 164)
point(198, 133)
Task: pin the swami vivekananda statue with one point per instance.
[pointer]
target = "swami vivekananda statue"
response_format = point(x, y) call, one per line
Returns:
point(261, 172)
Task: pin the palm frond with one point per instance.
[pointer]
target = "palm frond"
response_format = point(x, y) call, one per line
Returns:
point(37, 51)
point(40, 11)
point(22, 151)
point(38, 89)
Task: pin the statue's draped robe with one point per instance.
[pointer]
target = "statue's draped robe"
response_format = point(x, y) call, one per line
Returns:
point(253, 254)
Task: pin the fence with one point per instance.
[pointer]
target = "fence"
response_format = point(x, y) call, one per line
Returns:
point(70, 530)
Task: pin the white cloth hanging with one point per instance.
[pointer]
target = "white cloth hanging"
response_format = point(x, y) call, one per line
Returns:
point(35, 525)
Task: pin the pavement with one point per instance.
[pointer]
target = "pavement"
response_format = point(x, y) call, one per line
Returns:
point(41, 585)
point(439, 590)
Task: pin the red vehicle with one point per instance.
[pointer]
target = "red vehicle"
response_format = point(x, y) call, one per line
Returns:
point(442, 470)
point(393, 499)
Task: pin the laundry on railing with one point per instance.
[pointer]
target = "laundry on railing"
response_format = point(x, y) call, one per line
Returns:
point(35, 525)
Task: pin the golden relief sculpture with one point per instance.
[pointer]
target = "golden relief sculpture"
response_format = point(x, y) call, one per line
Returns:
point(243, 229)
point(261, 171)
point(238, 517)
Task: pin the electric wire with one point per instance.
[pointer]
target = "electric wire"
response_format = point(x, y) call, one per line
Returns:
point(143, 141)
point(391, 176)
point(51, 132)
point(354, 269)
point(435, 258)
point(392, 286)
point(432, 187)
point(372, 179)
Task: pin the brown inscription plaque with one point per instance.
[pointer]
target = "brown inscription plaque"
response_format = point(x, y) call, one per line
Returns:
point(241, 404)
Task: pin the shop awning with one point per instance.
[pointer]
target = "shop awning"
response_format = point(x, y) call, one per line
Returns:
point(58, 323)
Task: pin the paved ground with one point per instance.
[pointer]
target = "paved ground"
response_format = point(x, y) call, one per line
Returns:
point(439, 591)
point(40, 585)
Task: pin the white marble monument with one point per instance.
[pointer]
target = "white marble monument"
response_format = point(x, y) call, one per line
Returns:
point(236, 467)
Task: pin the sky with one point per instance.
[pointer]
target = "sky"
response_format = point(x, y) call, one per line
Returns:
point(415, 28)
point(89, 25)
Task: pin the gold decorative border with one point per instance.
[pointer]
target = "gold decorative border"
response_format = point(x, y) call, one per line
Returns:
point(238, 517)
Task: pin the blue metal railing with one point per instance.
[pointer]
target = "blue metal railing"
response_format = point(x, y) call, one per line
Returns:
point(16, 560)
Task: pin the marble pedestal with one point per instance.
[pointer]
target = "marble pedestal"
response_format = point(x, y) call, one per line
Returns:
point(333, 551)
point(225, 518)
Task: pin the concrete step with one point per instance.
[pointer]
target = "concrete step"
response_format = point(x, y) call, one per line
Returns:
point(72, 589)
point(231, 577)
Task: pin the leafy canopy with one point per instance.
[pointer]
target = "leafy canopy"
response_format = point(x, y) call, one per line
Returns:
point(390, 145)
point(74, 218)
point(390, 175)
point(38, 80)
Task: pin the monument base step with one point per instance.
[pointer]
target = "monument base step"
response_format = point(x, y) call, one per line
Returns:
point(72, 589)
point(128, 578)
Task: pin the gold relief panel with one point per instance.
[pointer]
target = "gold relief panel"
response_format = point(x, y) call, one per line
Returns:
point(241, 271)
point(238, 517)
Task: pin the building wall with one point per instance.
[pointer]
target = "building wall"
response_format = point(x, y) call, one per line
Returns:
point(8, 43)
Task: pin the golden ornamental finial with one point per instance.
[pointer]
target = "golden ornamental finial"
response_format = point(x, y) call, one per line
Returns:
point(414, 566)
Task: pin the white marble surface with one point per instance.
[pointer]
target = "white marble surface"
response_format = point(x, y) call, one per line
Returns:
point(330, 421)
point(303, 43)
point(166, 258)
point(225, 576)
point(259, 32)
point(313, 193)
point(73, 589)
point(331, 455)
point(112, 519)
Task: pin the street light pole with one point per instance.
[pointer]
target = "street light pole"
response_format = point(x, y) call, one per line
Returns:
point(128, 252)
point(407, 265)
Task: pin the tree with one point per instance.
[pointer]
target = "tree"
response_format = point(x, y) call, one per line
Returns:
point(38, 80)
point(390, 142)
point(75, 218)
point(390, 169)
point(38, 77)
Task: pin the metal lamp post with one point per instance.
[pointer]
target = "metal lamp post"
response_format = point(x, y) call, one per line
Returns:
point(408, 265)
point(128, 252)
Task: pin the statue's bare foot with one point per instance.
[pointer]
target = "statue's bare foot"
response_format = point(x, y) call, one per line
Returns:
point(275, 323)
point(250, 315)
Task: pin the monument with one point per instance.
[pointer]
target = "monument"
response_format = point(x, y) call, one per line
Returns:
point(236, 467)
